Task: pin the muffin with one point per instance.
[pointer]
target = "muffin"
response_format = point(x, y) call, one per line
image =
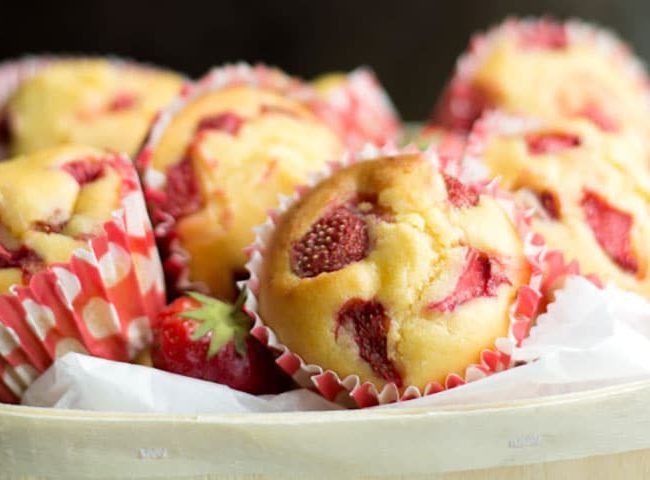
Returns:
point(384, 273)
point(589, 188)
point(550, 70)
point(78, 266)
point(357, 106)
point(52, 202)
point(99, 102)
point(216, 162)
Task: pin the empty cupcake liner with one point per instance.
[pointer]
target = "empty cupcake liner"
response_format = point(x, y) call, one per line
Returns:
point(360, 110)
point(100, 302)
point(460, 104)
point(350, 391)
point(175, 258)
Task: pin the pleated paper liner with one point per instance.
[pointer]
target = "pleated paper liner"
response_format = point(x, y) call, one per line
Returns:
point(175, 258)
point(14, 72)
point(100, 302)
point(359, 109)
point(460, 104)
point(350, 391)
point(450, 145)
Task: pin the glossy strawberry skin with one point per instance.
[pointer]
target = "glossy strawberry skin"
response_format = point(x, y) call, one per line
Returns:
point(174, 350)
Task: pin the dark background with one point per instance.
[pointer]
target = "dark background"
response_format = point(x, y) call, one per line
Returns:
point(411, 44)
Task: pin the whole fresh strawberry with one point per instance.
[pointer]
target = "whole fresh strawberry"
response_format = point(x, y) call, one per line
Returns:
point(201, 337)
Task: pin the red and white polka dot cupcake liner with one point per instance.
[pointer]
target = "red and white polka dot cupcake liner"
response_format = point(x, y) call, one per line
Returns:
point(360, 111)
point(100, 302)
point(350, 391)
point(460, 104)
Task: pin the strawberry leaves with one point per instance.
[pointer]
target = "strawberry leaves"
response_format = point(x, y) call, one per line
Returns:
point(223, 321)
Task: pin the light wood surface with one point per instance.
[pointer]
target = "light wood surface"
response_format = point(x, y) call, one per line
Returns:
point(598, 434)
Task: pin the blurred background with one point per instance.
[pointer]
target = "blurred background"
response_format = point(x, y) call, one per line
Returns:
point(411, 44)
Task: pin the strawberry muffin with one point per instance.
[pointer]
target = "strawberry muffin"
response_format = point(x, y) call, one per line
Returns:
point(589, 188)
point(386, 271)
point(550, 70)
point(358, 107)
point(51, 203)
point(217, 161)
point(99, 102)
point(79, 270)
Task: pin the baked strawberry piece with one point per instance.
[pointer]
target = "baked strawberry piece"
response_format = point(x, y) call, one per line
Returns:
point(204, 338)
point(217, 161)
point(550, 70)
point(93, 101)
point(392, 271)
point(589, 189)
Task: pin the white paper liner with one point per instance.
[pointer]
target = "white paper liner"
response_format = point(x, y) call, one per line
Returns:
point(350, 391)
point(81, 382)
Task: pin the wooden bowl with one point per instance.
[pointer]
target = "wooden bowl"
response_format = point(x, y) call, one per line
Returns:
point(597, 434)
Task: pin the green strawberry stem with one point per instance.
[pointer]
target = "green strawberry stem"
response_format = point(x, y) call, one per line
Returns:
point(224, 321)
